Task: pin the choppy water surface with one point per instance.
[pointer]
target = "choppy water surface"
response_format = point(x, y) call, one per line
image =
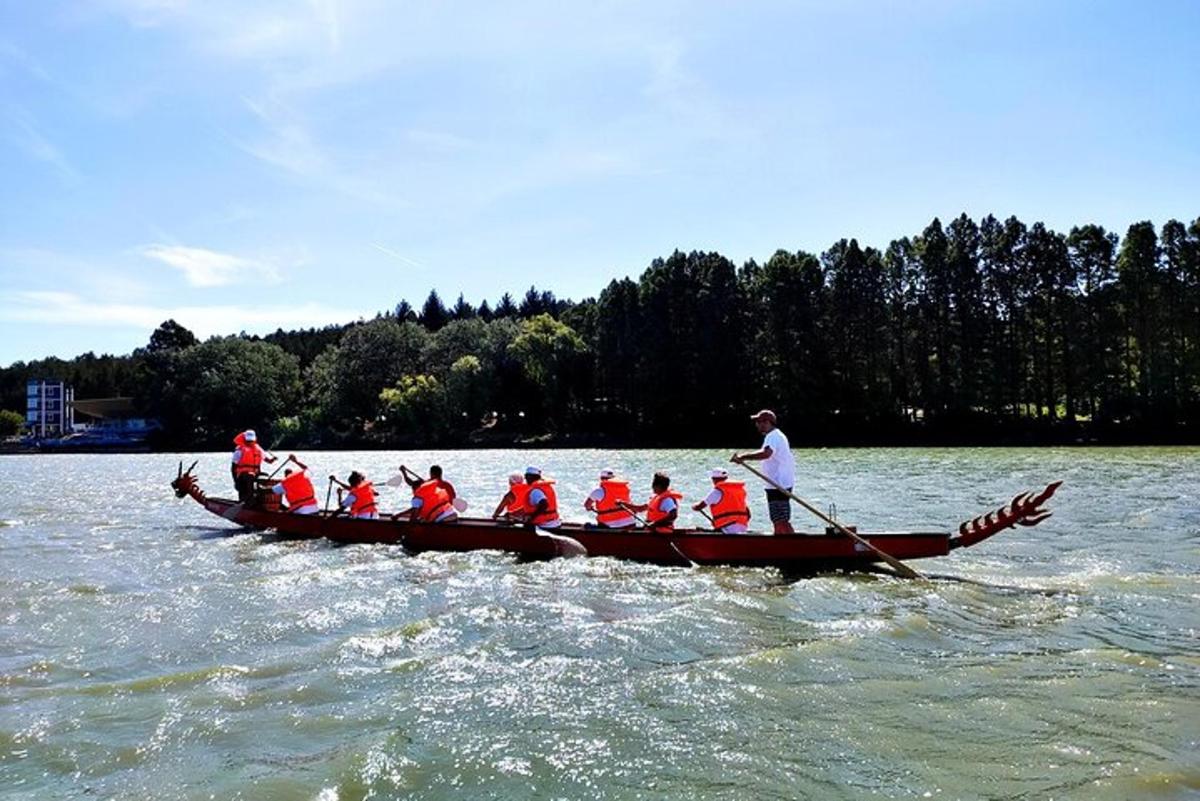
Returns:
point(147, 653)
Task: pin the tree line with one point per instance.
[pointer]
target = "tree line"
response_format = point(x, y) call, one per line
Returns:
point(981, 332)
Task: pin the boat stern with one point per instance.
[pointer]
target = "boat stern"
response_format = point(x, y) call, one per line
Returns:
point(1025, 509)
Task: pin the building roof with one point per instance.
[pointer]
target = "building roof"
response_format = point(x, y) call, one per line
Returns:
point(104, 408)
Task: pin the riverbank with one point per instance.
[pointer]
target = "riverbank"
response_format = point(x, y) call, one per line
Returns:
point(800, 437)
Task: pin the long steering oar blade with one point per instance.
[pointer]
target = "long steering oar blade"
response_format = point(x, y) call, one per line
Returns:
point(899, 566)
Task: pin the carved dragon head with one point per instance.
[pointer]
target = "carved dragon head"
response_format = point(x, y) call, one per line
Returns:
point(184, 483)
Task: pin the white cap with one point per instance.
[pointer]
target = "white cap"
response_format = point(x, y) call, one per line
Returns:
point(607, 473)
point(718, 473)
point(516, 478)
point(533, 471)
point(250, 436)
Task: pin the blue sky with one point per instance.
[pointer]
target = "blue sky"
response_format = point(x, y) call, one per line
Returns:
point(245, 166)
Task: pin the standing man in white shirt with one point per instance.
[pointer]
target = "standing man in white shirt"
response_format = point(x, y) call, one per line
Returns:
point(778, 465)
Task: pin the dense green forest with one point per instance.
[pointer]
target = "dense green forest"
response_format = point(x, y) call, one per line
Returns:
point(983, 332)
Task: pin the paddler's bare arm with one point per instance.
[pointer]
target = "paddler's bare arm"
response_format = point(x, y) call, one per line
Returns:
point(412, 479)
point(505, 501)
point(752, 456)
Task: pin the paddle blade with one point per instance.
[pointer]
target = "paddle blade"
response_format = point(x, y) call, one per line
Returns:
point(396, 481)
point(459, 505)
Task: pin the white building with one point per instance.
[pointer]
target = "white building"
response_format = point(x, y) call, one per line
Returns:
point(49, 410)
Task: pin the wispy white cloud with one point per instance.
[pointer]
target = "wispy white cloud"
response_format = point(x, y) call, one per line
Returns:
point(439, 141)
point(27, 135)
point(286, 143)
point(207, 268)
point(146, 13)
point(11, 54)
point(400, 257)
point(328, 15)
point(288, 57)
point(682, 99)
point(668, 79)
point(67, 308)
point(258, 31)
point(93, 276)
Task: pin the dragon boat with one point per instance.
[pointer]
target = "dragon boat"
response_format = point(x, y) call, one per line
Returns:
point(800, 552)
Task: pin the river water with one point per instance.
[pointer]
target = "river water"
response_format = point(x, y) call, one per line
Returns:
point(149, 651)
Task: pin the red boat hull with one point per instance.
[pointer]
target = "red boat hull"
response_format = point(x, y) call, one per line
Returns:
point(794, 552)
point(681, 548)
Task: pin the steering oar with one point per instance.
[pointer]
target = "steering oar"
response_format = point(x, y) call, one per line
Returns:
point(899, 566)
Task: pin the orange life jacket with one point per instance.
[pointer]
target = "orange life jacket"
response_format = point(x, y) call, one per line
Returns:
point(655, 511)
point(608, 510)
point(298, 490)
point(434, 499)
point(551, 514)
point(250, 457)
point(732, 507)
point(520, 493)
point(364, 499)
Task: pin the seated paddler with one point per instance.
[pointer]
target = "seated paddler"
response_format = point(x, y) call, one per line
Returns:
point(358, 498)
point(730, 513)
point(431, 501)
point(606, 499)
point(297, 489)
point(435, 474)
point(541, 502)
point(512, 505)
point(248, 458)
point(662, 510)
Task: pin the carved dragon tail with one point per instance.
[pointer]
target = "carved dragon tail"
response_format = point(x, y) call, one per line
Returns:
point(1024, 510)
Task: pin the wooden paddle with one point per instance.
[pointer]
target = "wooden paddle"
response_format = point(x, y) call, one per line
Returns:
point(644, 525)
point(899, 566)
point(328, 492)
point(640, 521)
point(281, 466)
